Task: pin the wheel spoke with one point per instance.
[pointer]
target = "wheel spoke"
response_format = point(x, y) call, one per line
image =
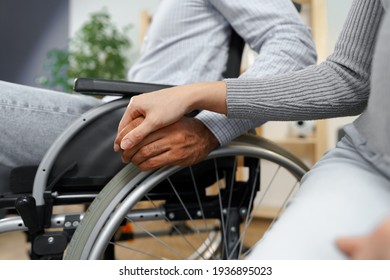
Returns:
point(137, 250)
point(186, 210)
point(200, 206)
point(173, 225)
point(240, 241)
point(224, 239)
point(159, 240)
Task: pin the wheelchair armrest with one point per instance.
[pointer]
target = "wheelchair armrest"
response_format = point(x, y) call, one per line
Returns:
point(114, 87)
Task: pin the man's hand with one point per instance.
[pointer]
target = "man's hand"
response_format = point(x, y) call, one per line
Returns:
point(164, 107)
point(375, 246)
point(182, 143)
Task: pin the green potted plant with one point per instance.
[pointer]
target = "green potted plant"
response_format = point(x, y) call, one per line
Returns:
point(98, 50)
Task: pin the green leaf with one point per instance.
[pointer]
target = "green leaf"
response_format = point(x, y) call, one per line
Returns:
point(98, 50)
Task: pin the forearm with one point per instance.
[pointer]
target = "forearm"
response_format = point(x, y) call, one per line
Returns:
point(225, 129)
point(275, 31)
point(313, 93)
point(288, 48)
point(205, 96)
point(338, 87)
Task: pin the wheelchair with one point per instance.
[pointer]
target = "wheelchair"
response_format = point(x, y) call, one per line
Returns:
point(209, 210)
point(205, 211)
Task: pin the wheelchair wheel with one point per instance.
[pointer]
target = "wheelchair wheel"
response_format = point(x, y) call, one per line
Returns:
point(215, 209)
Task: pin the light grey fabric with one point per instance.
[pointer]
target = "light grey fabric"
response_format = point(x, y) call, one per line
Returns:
point(374, 123)
point(188, 42)
point(31, 119)
point(386, 4)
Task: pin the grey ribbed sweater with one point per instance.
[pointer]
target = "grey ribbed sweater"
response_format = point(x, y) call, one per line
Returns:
point(340, 86)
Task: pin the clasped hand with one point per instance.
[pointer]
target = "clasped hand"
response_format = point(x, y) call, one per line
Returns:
point(153, 132)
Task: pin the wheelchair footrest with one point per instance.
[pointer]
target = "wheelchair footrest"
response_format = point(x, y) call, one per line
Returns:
point(50, 244)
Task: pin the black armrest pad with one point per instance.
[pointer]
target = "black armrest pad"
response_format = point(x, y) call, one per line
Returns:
point(114, 87)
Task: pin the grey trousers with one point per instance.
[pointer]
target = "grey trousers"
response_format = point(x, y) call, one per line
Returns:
point(30, 120)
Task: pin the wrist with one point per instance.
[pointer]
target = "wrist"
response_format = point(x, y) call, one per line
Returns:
point(207, 137)
point(209, 96)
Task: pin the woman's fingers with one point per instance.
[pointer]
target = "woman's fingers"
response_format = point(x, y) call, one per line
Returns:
point(125, 130)
point(164, 107)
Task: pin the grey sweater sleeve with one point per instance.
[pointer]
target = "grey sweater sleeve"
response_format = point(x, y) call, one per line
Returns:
point(283, 42)
point(337, 87)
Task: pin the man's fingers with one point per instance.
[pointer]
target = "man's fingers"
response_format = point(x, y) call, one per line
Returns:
point(146, 148)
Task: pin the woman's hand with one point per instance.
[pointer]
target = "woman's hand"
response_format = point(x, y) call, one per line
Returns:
point(164, 107)
point(375, 246)
point(159, 109)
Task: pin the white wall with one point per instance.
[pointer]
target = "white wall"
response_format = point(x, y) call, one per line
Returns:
point(337, 13)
